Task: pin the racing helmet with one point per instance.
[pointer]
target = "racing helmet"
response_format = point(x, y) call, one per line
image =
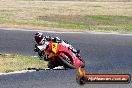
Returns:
point(39, 37)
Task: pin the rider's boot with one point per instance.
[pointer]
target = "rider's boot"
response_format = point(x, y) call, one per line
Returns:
point(74, 51)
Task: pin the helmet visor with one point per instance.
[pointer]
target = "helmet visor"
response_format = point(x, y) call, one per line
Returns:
point(38, 39)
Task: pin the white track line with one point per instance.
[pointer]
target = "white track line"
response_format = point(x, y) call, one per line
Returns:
point(26, 71)
point(109, 33)
point(17, 72)
point(33, 30)
point(46, 31)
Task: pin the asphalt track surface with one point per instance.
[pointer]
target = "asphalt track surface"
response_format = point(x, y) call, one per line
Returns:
point(103, 53)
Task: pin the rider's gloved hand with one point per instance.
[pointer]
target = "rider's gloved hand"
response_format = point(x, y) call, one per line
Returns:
point(35, 48)
point(41, 57)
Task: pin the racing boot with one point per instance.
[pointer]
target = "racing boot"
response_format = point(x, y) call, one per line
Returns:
point(78, 53)
point(75, 51)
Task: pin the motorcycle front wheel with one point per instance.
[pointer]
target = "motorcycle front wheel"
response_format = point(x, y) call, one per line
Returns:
point(67, 62)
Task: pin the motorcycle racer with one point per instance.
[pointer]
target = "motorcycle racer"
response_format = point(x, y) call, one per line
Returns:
point(42, 40)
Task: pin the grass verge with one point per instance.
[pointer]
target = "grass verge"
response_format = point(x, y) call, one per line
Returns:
point(82, 23)
point(85, 16)
point(11, 63)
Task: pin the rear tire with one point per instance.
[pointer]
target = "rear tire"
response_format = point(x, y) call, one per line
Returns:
point(51, 65)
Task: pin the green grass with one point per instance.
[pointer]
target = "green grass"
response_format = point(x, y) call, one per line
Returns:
point(84, 23)
point(11, 63)
point(124, 17)
point(85, 16)
point(100, 18)
point(91, 22)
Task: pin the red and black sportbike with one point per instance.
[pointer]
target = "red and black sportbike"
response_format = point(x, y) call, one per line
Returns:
point(62, 56)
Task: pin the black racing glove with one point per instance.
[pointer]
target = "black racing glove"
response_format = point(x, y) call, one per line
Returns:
point(36, 48)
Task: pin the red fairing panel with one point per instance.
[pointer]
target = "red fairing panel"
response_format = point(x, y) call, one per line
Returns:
point(76, 60)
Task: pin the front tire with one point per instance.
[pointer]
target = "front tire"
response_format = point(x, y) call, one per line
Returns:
point(66, 63)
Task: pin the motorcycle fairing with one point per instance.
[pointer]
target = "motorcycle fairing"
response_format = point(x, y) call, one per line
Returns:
point(48, 54)
point(75, 59)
